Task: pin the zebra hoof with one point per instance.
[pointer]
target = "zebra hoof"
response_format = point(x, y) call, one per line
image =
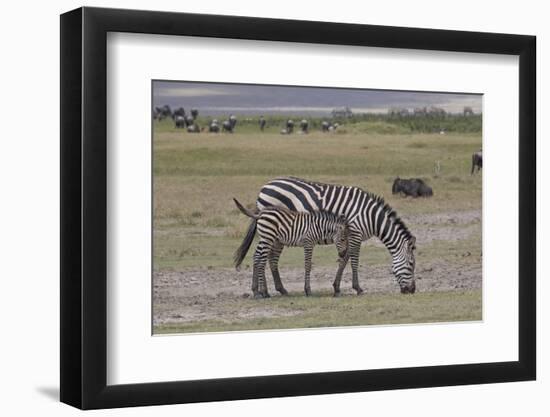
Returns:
point(359, 291)
point(258, 296)
point(307, 292)
point(336, 294)
point(282, 291)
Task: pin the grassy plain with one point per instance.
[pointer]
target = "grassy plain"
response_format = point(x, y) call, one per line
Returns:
point(196, 225)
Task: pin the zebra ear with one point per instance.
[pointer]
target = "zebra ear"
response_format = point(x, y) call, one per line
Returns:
point(412, 243)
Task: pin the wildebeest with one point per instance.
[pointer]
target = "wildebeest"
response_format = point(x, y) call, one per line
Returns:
point(289, 126)
point(328, 126)
point(178, 112)
point(194, 113)
point(262, 123)
point(226, 126)
point(477, 161)
point(304, 126)
point(229, 125)
point(162, 112)
point(193, 128)
point(179, 121)
point(189, 121)
point(414, 187)
point(214, 127)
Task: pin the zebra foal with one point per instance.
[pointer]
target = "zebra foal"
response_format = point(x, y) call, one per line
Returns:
point(278, 227)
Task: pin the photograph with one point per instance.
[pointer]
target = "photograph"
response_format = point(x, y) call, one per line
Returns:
point(279, 207)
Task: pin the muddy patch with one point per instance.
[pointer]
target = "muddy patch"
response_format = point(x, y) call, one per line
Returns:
point(202, 294)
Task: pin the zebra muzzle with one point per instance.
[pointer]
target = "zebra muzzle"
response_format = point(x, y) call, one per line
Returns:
point(409, 289)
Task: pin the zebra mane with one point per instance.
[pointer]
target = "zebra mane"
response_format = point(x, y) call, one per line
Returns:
point(391, 213)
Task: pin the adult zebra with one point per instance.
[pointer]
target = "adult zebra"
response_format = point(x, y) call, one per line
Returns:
point(367, 215)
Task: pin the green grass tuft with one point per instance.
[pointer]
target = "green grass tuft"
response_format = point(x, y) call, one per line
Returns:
point(323, 310)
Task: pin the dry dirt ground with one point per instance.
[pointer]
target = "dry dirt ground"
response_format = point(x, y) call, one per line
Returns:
point(196, 295)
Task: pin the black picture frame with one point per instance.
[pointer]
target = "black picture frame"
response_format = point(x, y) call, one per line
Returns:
point(84, 207)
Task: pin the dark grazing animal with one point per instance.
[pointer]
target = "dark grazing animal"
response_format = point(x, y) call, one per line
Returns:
point(414, 187)
point(367, 215)
point(214, 127)
point(229, 125)
point(163, 112)
point(189, 121)
point(279, 226)
point(179, 121)
point(262, 123)
point(179, 112)
point(329, 126)
point(226, 126)
point(289, 126)
point(304, 126)
point(477, 161)
point(193, 128)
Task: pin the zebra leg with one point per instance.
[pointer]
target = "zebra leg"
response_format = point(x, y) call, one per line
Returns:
point(354, 255)
point(255, 278)
point(274, 266)
point(308, 253)
point(259, 286)
point(341, 266)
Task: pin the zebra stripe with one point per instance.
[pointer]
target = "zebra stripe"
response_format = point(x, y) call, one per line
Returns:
point(278, 227)
point(367, 215)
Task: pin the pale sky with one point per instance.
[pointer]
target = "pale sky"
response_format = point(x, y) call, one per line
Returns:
point(217, 99)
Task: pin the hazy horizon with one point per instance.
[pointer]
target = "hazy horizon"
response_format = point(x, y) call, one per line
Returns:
point(212, 99)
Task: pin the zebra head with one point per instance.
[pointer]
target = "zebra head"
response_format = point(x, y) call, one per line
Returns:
point(403, 266)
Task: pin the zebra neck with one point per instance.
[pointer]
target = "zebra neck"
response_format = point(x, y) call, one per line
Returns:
point(390, 232)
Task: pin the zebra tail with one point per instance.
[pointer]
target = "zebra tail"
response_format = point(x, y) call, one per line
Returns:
point(244, 210)
point(241, 252)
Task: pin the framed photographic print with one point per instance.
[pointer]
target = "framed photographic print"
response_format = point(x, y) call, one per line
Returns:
point(256, 208)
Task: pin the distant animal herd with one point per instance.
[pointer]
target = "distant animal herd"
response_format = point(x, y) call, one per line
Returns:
point(189, 122)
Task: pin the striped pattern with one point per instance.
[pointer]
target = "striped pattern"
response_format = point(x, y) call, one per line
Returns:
point(278, 227)
point(367, 216)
